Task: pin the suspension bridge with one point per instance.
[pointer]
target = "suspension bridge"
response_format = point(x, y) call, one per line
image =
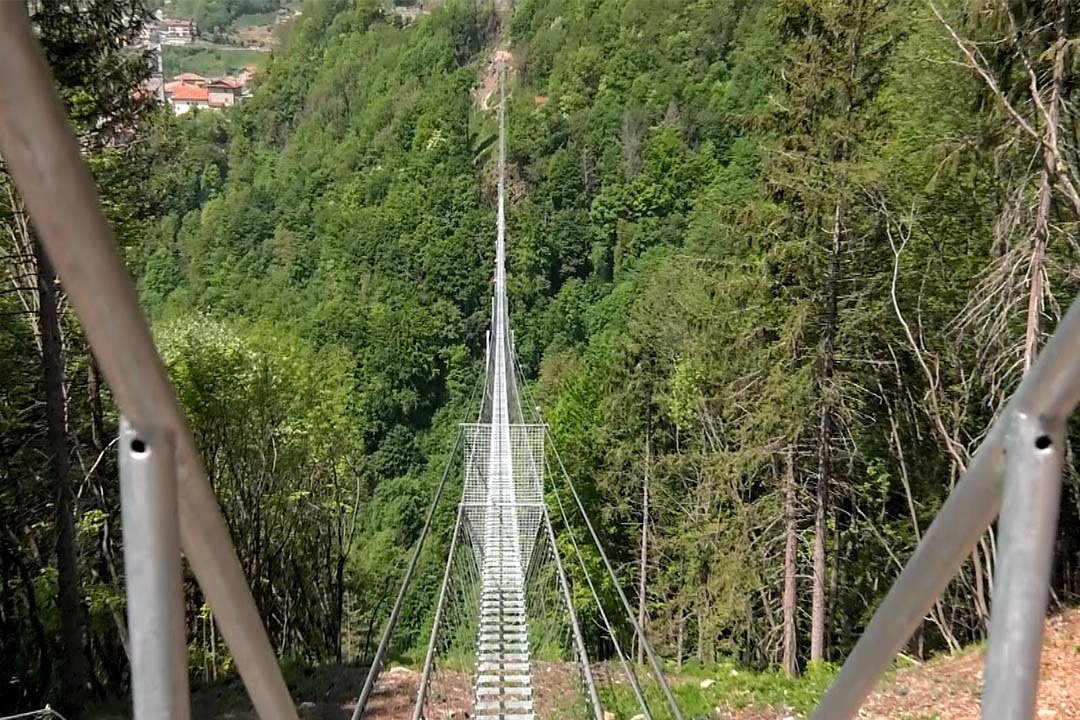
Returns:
point(505, 598)
point(505, 603)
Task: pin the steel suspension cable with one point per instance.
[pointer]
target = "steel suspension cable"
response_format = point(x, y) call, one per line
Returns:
point(629, 672)
point(455, 633)
point(429, 659)
point(579, 640)
point(653, 662)
point(635, 685)
point(384, 642)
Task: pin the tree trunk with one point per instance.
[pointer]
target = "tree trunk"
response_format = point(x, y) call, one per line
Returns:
point(339, 604)
point(982, 608)
point(74, 674)
point(790, 540)
point(680, 633)
point(836, 579)
point(203, 644)
point(644, 563)
point(39, 691)
point(93, 395)
point(1042, 216)
point(825, 432)
point(700, 632)
point(213, 645)
point(106, 564)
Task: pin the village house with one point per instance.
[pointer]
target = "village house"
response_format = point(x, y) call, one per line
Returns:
point(189, 78)
point(177, 32)
point(189, 90)
point(224, 92)
point(186, 97)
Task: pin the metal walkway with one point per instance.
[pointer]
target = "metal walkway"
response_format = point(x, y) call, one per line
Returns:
point(504, 675)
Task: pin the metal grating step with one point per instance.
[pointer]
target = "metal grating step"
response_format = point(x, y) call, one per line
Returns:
point(511, 679)
point(499, 690)
point(510, 668)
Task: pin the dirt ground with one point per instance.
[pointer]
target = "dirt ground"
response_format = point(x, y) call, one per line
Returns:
point(946, 688)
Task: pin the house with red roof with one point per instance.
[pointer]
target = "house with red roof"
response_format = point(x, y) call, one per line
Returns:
point(224, 92)
point(189, 78)
point(189, 90)
point(185, 97)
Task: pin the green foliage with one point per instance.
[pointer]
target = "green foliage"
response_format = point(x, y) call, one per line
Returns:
point(319, 277)
point(210, 62)
point(732, 687)
point(271, 418)
point(218, 16)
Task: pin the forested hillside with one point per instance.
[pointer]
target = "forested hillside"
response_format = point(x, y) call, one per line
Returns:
point(774, 269)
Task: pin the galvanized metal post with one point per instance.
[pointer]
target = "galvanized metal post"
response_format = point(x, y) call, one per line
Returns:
point(155, 594)
point(1034, 454)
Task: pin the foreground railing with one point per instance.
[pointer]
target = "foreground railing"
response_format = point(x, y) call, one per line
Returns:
point(166, 494)
point(41, 153)
point(1016, 470)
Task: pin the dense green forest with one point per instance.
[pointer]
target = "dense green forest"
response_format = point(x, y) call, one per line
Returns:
point(774, 269)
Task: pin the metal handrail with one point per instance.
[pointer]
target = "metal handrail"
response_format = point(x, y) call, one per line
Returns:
point(43, 157)
point(1034, 416)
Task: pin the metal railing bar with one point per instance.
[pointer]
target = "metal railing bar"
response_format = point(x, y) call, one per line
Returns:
point(153, 574)
point(654, 663)
point(45, 712)
point(575, 626)
point(628, 670)
point(1051, 389)
point(1026, 531)
point(44, 160)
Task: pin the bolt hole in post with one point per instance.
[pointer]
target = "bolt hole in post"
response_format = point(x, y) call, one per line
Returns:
point(153, 573)
point(1027, 527)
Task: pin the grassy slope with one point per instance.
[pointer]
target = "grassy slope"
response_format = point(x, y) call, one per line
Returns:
point(211, 61)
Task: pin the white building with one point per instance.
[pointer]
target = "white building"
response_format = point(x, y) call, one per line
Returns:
point(177, 32)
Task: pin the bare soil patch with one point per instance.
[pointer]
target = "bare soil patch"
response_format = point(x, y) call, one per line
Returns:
point(949, 687)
